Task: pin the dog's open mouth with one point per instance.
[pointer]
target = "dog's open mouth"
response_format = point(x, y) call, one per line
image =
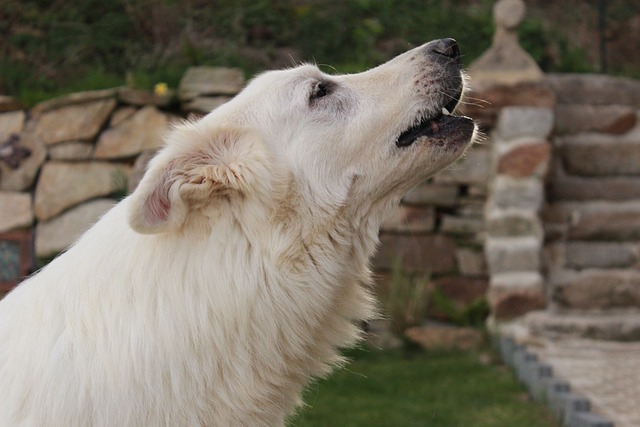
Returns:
point(433, 126)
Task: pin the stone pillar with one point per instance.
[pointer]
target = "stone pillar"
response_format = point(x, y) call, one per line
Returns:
point(515, 105)
point(521, 156)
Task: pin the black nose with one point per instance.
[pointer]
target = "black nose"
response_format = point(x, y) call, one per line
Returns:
point(445, 47)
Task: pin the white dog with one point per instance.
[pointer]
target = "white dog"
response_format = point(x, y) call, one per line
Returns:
point(238, 268)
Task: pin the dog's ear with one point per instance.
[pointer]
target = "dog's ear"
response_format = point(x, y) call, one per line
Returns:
point(198, 166)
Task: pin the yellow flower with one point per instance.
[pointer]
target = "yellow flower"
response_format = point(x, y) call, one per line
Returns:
point(160, 89)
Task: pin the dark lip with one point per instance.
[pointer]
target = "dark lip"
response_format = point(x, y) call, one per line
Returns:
point(430, 126)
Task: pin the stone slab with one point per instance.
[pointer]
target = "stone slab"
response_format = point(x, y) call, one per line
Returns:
point(433, 194)
point(613, 325)
point(518, 122)
point(471, 262)
point(594, 89)
point(599, 220)
point(62, 184)
point(600, 289)
point(418, 254)
point(73, 150)
point(582, 188)
point(16, 210)
point(10, 123)
point(410, 219)
point(473, 168)
point(23, 175)
point(513, 222)
point(210, 81)
point(581, 255)
point(580, 118)
point(590, 155)
point(141, 132)
point(445, 337)
point(522, 193)
point(525, 160)
point(513, 254)
point(204, 104)
point(59, 233)
point(512, 295)
point(461, 225)
point(75, 122)
point(86, 97)
point(485, 104)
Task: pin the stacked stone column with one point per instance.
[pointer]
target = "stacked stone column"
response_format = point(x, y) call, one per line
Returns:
point(521, 154)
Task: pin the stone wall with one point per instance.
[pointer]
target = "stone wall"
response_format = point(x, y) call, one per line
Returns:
point(592, 218)
point(67, 161)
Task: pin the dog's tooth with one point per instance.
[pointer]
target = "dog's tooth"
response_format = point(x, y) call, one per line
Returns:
point(445, 112)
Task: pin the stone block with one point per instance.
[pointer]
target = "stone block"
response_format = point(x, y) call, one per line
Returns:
point(75, 122)
point(75, 98)
point(461, 290)
point(602, 155)
point(603, 221)
point(439, 337)
point(418, 253)
point(471, 262)
point(623, 325)
point(10, 123)
point(473, 168)
point(571, 187)
point(539, 376)
point(121, 114)
point(513, 223)
point(74, 150)
point(512, 295)
point(517, 122)
point(210, 81)
point(568, 405)
point(410, 219)
point(580, 118)
point(495, 98)
point(30, 154)
point(594, 89)
point(581, 255)
point(462, 224)
point(59, 233)
point(142, 98)
point(205, 104)
point(16, 210)
point(531, 159)
point(433, 194)
point(62, 185)
point(142, 131)
point(513, 254)
point(596, 289)
point(524, 193)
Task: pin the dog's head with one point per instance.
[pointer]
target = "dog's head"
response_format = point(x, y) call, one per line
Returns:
point(334, 140)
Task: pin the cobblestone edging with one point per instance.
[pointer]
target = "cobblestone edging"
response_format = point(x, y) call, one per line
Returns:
point(571, 408)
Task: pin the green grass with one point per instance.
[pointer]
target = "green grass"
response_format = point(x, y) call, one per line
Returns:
point(414, 388)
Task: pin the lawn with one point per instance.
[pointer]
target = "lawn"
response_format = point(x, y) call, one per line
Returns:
point(414, 388)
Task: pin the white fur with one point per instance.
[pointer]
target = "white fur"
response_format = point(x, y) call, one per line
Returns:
point(238, 267)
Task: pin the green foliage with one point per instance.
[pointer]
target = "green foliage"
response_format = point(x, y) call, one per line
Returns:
point(401, 388)
point(474, 314)
point(50, 47)
point(406, 301)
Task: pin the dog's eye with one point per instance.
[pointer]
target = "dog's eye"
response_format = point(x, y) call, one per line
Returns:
point(320, 89)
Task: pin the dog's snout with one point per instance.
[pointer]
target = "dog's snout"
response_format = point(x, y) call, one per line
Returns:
point(446, 48)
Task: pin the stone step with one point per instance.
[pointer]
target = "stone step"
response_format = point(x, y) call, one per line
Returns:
point(623, 325)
